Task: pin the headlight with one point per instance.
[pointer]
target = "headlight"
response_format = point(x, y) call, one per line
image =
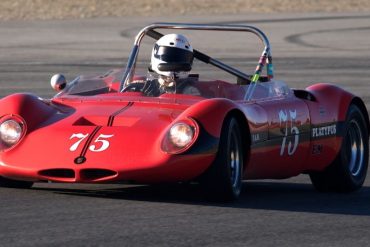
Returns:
point(180, 136)
point(11, 131)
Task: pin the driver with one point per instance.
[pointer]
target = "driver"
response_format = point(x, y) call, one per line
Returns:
point(171, 61)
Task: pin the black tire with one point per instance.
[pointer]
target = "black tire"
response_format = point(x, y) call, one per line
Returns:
point(348, 171)
point(223, 179)
point(10, 183)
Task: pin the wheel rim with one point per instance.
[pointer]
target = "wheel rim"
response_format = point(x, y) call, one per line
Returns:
point(235, 162)
point(355, 148)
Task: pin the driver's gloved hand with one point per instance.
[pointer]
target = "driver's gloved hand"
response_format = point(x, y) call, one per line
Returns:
point(151, 88)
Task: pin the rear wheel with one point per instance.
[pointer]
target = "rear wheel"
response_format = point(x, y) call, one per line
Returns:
point(348, 171)
point(223, 180)
point(10, 183)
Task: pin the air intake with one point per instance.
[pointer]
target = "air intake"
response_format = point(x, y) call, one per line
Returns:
point(58, 173)
point(96, 174)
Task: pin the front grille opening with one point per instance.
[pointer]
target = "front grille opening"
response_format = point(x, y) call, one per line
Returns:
point(96, 174)
point(58, 173)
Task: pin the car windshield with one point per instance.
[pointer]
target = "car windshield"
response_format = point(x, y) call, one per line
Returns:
point(203, 80)
point(148, 85)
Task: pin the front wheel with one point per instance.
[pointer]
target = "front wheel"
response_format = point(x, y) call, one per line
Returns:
point(223, 180)
point(348, 171)
point(10, 183)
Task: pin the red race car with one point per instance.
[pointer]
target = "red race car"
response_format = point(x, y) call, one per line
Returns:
point(173, 126)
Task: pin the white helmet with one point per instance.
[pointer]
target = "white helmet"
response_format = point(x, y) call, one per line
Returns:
point(172, 56)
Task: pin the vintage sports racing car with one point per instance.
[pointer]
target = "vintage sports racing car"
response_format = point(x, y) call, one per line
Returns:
point(105, 129)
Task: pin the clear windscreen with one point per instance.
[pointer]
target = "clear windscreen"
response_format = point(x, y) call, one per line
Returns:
point(204, 80)
point(147, 84)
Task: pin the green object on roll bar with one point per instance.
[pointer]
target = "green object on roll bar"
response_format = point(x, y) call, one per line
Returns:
point(255, 78)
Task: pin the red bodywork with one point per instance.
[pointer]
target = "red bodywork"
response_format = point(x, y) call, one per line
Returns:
point(283, 136)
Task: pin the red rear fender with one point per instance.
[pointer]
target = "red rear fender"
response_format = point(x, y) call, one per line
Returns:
point(334, 99)
point(337, 101)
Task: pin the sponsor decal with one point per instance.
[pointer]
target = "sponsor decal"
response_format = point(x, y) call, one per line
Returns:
point(322, 111)
point(256, 137)
point(79, 160)
point(259, 137)
point(323, 131)
point(317, 149)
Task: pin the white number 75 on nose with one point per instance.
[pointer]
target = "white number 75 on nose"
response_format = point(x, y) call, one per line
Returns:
point(104, 144)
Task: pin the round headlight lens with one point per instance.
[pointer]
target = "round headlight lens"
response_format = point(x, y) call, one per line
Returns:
point(10, 132)
point(181, 134)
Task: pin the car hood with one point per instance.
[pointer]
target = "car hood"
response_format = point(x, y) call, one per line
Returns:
point(101, 130)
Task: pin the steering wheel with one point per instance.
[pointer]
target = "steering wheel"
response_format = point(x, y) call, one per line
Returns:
point(135, 86)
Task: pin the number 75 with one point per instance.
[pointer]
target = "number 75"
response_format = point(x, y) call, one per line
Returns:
point(101, 139)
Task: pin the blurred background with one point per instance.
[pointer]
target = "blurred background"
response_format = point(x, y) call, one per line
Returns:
point(312, 41)
point(61, 9)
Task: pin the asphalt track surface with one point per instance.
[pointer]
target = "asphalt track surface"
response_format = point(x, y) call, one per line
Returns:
point(306, 49)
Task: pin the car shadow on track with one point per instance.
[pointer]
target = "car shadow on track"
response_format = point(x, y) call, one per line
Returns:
point(295, 197)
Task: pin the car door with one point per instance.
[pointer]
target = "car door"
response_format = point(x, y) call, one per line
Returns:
point(288, 137)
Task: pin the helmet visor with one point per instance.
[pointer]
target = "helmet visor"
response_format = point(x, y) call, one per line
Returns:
point(173, 54)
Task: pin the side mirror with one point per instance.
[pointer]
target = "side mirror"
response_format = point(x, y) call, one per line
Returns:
point(58, 82)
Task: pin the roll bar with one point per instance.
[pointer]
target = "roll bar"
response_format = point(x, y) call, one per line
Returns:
point(265, 59)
